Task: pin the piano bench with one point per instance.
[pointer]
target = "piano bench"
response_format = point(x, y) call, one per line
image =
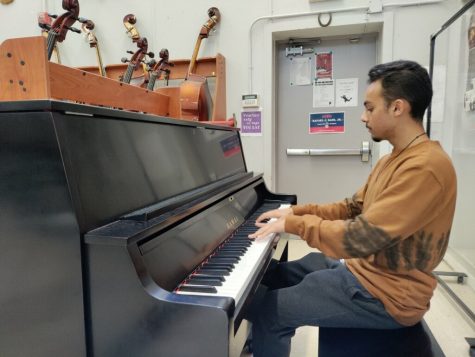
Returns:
point(416, 340)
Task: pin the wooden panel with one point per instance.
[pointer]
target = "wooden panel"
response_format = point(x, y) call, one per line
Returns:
point(90, 69)
point(174, 104)
point(74, 84)
point(219, 96)
point(23, 69)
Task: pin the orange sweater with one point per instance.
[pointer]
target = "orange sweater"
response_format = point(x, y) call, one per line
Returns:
point(394, 231)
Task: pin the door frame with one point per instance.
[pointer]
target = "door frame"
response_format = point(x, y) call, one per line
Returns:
point(383, 25)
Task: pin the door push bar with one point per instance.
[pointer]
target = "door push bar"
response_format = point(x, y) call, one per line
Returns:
point(364, 151)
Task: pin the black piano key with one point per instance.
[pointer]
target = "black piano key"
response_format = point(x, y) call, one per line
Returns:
point(198, 289)
point(207, 277)
point(207, 282)
point(239, 243)
point(227, 254)
point(219, 272)
point(217, 266)
point(223, 260)
point(218, 263)
point(230, 254)
point(232, 250)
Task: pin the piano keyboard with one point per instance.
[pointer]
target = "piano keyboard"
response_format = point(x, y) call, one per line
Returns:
point(231, 267)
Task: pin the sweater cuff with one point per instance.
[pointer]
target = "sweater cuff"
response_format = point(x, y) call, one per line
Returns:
point(292, 223)
point(299, 210)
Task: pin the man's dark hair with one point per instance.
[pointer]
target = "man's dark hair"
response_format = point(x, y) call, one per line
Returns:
point(407, 80)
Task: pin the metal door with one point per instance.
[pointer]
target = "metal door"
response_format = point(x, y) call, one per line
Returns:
point(322, 167)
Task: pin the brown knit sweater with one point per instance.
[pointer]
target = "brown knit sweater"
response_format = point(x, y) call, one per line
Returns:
point(394, 231)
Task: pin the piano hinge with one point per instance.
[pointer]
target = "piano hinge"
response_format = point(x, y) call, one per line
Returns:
point(77, 113)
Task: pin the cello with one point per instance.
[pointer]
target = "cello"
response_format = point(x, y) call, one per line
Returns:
point(194, 93)
point(91, 38)
point(58, 29)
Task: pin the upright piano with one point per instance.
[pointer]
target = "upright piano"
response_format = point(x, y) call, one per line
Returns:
point(125, 234)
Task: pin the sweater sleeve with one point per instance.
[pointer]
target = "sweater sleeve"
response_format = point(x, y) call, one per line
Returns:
point(400, 210)
point(347, 208)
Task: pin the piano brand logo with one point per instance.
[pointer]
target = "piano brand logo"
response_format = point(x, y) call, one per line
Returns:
point(232, 222)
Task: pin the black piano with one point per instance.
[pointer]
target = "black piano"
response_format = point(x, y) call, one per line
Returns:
point(125, 234)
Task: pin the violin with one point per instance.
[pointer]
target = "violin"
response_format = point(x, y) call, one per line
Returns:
point(138, 57)
point(45, 21)
point(91, 38)
point(194, 93)
point(59, 28)
point(158, 68)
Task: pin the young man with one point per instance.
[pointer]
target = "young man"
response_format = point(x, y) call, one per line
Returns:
point(392, 233)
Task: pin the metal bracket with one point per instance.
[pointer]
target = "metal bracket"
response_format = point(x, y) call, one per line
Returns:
point(297, 51)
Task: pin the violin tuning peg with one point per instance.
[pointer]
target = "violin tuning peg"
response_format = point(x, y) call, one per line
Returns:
point(151, 54)
point(73, 29)
point(81, 20)
point(53, 16)
point(131, 52)
point(124, 60)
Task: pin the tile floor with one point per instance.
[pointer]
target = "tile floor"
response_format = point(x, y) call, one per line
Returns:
point(446, 320)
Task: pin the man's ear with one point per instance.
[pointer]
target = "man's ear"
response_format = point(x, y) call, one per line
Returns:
point(400, 107)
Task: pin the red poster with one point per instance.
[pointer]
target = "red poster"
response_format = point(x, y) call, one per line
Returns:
point(324, 65)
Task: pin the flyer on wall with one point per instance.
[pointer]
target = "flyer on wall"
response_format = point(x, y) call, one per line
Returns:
point(324, 66)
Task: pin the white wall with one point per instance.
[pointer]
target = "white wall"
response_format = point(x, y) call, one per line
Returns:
point(175, 25)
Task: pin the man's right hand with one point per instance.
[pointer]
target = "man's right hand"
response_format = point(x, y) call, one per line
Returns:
point(275, 213)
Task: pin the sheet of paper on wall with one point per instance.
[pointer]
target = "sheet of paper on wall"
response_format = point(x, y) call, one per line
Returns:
point(346, 92)
point(251, 123)
point(301, 71)
point(323, 94)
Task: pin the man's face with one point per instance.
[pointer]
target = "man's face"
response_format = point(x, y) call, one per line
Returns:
point(377, 115)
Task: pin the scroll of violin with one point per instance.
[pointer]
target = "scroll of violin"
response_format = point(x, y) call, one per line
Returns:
point(61, 25)
point(194, 95)
point(138, 57)
point(88, 27)
point(159, 68)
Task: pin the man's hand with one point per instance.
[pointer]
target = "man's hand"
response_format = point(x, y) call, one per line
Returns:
point(275, 213)
point(275, 226)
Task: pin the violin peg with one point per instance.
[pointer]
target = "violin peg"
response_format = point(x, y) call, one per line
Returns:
point(73, 29)
point(130, 52)
point(151, 54)
point(124, 60)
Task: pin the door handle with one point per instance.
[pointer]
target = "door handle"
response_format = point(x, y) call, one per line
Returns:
point(364, 151)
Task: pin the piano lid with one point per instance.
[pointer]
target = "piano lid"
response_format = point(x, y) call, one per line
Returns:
point(116, 165)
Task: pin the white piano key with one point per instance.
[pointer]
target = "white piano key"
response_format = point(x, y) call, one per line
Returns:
point(244, 271)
